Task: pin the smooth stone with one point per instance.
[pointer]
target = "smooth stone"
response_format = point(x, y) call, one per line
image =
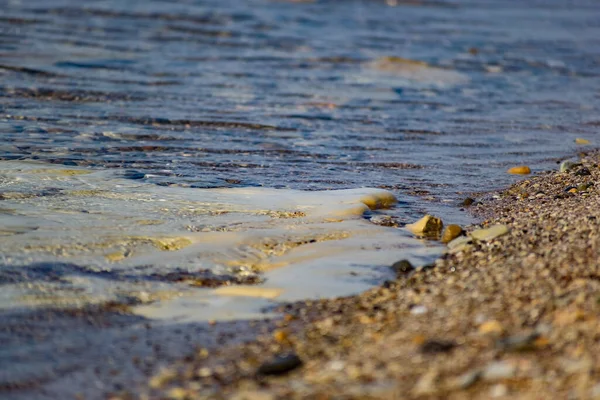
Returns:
point(520, 170)
point(427, 226)
point(468, 201)
point(582, 141)
point(451, 232)
point(402, 267)
point(490, 233)
point(459, 244)
point(568, 165)
point(583, 172)
point(437, 346)
point(465, 380)
point(280, 365)
point(499, 370)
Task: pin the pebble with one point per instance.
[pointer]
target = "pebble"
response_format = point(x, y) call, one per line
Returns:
point(451, 232)
point(491, 327)
point(490, 233)
point(418, 310)
point(253, 395)
point(437, 346)
point(498, 390)
point(465, 380)
point(519, 342)
point(280, 365)
point(468, 201)
point(459, 244)
point(581, 141)
point(583, 172)
point(520, 170)
point(402, 267)
point(427, 226)
point(498, 370)
point(568, 165)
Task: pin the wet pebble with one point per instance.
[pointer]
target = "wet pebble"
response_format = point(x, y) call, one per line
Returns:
point(490, 233)
point(519, 170)
point(428, 226)
point(402, 267)
point(451, 232)
point(281, 364)
point(468, 201)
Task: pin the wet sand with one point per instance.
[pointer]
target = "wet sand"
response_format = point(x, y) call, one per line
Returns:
point(512, 317)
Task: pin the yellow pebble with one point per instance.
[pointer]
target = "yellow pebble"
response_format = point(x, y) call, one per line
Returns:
point(582, 141)
point(520, 170)
point(491, 327)
point(281, 336)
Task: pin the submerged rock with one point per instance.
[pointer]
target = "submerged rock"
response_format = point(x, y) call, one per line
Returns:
point(581, 141)
point(451, 232)
point(490, 233)
point(428, 226)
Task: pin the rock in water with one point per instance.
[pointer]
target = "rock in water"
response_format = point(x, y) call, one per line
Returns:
point(520, 170)
point(451, 232)
point(428, 226)
point(490, 233)
point(581, 141)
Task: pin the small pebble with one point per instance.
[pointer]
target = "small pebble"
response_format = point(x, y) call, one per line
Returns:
point(280, 365)
point(437, 346)
point(499, 370)
point(582, 141)
point(468, 201)
point(402, 267)
point(583, 172)
point(498, 390)
point(568, 165)
point(490, 233)
point(429, 226)
point(451, 232)
point(418, 310)
point(520, 170)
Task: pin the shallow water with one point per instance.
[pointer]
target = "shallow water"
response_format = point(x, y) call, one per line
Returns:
point(429, 100)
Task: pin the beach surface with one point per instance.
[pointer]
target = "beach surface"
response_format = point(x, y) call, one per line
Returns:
point(512, 316)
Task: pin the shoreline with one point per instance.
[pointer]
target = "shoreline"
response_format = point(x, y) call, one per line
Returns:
point(515, 316)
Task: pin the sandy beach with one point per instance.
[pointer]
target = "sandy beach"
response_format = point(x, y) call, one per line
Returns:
point(513, 316)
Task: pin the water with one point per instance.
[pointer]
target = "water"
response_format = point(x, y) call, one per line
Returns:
point(243, 117)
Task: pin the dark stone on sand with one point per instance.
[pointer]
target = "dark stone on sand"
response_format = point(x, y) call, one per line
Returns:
point(583, 172)
point(402, 267)
point(468, 201)
point(437, 346)
point(281, 364)
point(523, 342)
